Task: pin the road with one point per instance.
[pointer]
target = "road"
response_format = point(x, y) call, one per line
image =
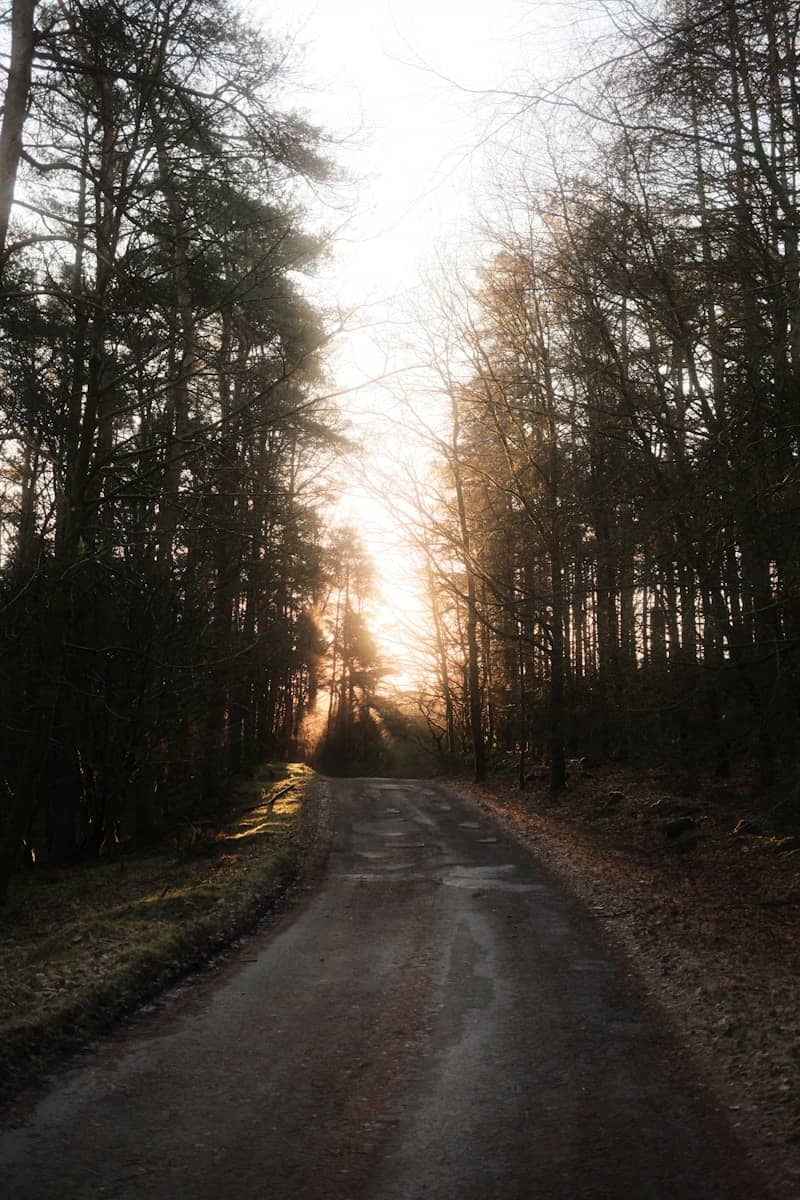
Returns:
point(438, 1020)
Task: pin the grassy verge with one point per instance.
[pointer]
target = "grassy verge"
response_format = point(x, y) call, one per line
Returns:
point(81, 946)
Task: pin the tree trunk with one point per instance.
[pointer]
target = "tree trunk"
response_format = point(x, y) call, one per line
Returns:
point(475, 699)
point(18, 86)
point(558, 765)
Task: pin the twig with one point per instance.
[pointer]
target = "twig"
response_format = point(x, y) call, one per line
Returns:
point(278, 794)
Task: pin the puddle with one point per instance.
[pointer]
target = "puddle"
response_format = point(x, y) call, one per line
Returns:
point(473, 873)
point(379, 828)
point(489, 885)
point(383, 876)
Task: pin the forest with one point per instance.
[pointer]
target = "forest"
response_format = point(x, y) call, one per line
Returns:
point(609, 539)
point(611, 546)
point(162, 426)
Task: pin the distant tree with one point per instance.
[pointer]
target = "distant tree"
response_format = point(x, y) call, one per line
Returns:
point(351, 743)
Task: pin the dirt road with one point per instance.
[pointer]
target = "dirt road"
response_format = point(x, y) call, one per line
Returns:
point(438, 1021)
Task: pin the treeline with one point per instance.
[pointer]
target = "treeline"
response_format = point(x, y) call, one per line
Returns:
point(612, 552)
point(160, 549)
point(347, 736)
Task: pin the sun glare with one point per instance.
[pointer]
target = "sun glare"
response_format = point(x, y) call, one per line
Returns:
point(401, 91)
point(396, 609)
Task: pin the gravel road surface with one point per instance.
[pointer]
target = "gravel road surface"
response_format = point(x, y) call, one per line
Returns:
point(438, 1020)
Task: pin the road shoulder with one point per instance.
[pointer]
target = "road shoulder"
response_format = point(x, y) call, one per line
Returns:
point(708, 932)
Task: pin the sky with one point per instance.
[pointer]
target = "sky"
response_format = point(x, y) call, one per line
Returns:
point(411, 93)
point(405, 86)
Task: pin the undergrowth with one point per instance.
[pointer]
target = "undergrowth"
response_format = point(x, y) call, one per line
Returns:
point(80, 946)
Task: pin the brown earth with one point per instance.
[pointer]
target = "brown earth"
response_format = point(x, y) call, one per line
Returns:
point(704, 897)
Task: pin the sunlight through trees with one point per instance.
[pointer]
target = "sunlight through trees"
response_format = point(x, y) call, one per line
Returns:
point(587, 447)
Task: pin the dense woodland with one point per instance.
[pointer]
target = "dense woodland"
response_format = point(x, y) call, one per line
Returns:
point(162, 427)
point(612, 545)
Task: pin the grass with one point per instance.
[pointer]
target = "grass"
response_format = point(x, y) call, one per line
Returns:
point(80, 946)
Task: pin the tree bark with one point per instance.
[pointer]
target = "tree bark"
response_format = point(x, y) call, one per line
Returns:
point(474, 696)
point(16, 102)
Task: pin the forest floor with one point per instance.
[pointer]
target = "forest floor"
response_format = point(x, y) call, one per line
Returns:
point(82, 946)
point(702, 891)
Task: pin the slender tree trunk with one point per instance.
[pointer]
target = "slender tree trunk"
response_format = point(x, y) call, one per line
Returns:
point(558, 765)
point(18, 86)
point(475, 698)
point(441, 658)
point(26, 533)
point(179, 392)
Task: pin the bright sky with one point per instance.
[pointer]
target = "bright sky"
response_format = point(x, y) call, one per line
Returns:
point(407, 87)
point(387, 76)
